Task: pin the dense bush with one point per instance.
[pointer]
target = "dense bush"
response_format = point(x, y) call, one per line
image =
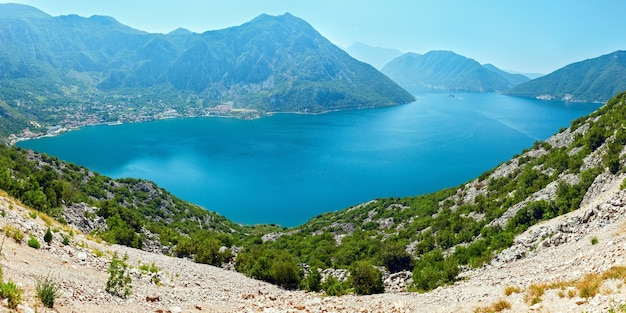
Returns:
point(285, 271)
point(313, 281)
point(433, 270)
point(273, 266)
point(334, 287)
point(395, 258)
point(366, 279)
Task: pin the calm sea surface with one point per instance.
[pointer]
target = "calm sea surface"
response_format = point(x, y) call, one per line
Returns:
point(287, 168)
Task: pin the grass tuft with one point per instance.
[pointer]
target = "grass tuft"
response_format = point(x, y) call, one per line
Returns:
point(48, 289)
point(509, 290)
point(497, 306)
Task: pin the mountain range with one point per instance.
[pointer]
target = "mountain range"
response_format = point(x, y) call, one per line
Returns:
point(446, 71)
point(592, 80)
point(272, 63)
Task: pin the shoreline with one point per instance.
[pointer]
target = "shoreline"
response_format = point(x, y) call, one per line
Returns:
point(13, 139)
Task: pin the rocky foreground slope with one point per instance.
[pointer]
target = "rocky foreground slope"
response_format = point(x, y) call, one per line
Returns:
point(560, 250)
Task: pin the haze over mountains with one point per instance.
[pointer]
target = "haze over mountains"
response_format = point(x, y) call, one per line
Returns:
point(272, 63)
point(448, 71)
point(74, 71)
point(378, 57)
point(596, 79)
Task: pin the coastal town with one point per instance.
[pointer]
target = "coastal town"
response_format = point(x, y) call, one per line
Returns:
point(75, 117)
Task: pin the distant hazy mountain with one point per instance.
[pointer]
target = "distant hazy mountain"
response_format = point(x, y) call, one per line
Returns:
point(529, 75)
point(595, 79)
point(376, 56)
point(272, 63)
point(513, 79)
point(180, 31)
point(448, 71)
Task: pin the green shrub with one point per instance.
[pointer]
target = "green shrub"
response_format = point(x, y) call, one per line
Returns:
point(207, 252)
point(153, 268)
point(313, 281)
point(48, 290)
point(48, 236)
point(594, 240)
point(395, 257)
point(595, 138)
point(366, 279)
point(334, 287)
point(33, 242)
point(119, 282)
point(13, 294)
point(285, 272)
point(66, 240)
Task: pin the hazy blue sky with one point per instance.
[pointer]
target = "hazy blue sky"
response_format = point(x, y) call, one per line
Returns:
point(523, 35)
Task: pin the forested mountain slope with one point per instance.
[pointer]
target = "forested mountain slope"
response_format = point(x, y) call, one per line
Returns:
point(446, 71)
point(72, 70)
point(596, 79)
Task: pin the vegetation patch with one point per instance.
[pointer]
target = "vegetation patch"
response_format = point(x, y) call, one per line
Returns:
point(432, 235)
point(48, 290)
point(509, 290)
point(12, 293)
point(497, 306)
point(119, 282)
point(33, 242)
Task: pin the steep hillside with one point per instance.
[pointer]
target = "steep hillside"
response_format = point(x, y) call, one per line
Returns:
point(596, 79)
point(447, 71)
point(96, 70)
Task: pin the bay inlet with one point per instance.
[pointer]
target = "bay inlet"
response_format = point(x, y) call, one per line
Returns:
point(286, 168)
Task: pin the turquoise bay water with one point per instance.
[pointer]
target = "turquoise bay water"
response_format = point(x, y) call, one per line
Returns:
point(287, 168)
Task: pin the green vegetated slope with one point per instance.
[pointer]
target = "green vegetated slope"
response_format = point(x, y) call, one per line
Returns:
point(447, 71)
point(434, 235)
point(595, 79)
point(51, 67)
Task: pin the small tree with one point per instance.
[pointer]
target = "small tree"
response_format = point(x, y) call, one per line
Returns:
point(119, 282)
point(48, 236)
point(366, 279)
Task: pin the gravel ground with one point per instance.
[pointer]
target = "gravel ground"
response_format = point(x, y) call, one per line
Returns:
point(184, 286)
